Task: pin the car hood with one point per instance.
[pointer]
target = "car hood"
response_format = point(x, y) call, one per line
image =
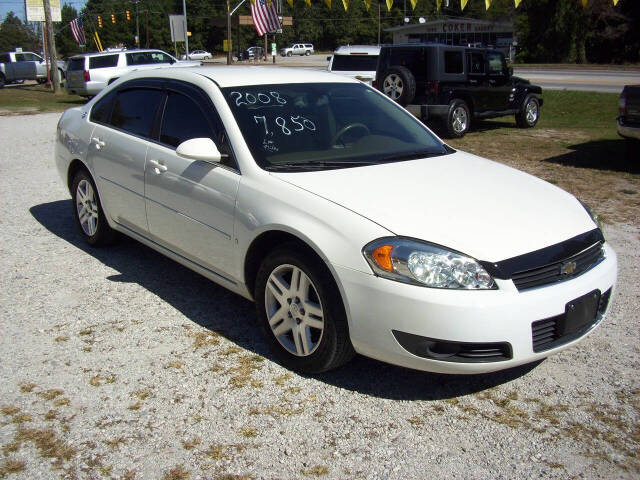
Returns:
point(481, 208)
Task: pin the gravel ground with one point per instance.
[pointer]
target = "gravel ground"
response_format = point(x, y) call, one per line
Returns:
point(119, 363)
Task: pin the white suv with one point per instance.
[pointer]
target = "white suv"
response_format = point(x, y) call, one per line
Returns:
point(89, 73)
point(356, 61)
point(297, 49)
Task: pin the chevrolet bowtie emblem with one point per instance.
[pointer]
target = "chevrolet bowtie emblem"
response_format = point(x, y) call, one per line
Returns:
point(568, 268)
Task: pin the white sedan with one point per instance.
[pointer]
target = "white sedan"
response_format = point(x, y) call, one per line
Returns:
point(197, 55)
point(347, 221)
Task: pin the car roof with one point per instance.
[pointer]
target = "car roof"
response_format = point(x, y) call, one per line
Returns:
point(357, 50)
point(237, 76)
point(116, 52)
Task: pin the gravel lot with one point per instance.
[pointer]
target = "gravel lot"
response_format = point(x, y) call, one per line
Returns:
point(119, 363)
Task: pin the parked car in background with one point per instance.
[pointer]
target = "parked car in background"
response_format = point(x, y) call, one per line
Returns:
point(89, 73)
point(629, 108)
point(357, 61)
point(197, 55)
point(454, 84)
point(19, 66)
point(297, 49)
point(347, 221)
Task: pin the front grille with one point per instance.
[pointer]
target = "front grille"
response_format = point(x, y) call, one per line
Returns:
point(553, 272)
point(546, 334)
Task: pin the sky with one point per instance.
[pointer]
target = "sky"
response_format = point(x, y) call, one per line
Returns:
point(17, 6)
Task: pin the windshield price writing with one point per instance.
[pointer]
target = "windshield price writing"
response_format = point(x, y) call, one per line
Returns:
point(246, 98)
point(297, 124)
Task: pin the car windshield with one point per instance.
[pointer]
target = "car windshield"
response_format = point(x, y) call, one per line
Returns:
point(326, 125)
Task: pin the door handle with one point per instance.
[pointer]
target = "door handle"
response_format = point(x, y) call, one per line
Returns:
point(99, 143)
point(157, 166)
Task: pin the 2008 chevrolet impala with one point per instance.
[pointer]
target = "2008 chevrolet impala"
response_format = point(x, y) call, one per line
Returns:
point(350, 224)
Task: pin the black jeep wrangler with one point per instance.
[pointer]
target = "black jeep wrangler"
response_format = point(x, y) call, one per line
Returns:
point(454, 84)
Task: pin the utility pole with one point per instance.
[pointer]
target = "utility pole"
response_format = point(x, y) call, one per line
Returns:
point(186, 32)
point(137, 26)
point(229, 33)
point(52, 47)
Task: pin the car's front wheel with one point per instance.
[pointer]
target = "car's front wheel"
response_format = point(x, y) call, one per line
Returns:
point(87, 209)
point(289, 54)
point(301, 311)
point(458, 119)
point(528, 115)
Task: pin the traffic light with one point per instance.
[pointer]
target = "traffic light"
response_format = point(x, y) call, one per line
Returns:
point(100, 21)
point(113, 18)
point(128, 15)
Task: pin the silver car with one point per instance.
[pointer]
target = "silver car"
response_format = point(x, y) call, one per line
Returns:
point(89, 73)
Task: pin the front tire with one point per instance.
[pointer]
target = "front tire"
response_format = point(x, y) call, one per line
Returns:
point(458, 119)
point(289, 54)
point(529, 114)
point(301, 311)
point(307, 53)
point(87, 210)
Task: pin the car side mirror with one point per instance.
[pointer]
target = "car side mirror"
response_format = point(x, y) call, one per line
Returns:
point(203, 149)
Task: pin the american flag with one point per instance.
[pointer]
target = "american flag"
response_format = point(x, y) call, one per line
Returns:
point(265, 16)
point(78, 31)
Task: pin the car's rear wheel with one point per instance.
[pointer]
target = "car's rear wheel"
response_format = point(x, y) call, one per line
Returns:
point(307, 53)
point(87, 209)
point(458, 119)
point(529, 114)
point(399, 84)
point(301, 311)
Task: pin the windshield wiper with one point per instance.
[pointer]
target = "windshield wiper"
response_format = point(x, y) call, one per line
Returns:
point(412, 155)
point(320, 165)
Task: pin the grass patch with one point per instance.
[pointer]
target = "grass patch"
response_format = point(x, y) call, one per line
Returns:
point(204, 339)
point(177, 473)
point(192, 443)
point(248, 432)
point(36, 99)
point(317, 471)
point(11, 466)
point(27, 387)
point(51, 394)
point(49, 445)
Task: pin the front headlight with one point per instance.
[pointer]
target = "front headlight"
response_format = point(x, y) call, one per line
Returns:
point(421, 263)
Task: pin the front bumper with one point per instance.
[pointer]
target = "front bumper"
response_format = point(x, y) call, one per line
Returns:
point(376, 307)
point(628, 131)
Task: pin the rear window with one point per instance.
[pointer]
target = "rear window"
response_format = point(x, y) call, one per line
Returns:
point(76, 64)
point(453, 62)
point(103, 61)
point(354, 63)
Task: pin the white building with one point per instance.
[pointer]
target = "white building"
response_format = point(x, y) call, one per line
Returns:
point(457, 31)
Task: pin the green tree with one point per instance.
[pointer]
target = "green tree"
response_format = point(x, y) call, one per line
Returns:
point(14, 34)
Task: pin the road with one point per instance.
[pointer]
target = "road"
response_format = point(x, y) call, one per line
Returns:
point(597, 79)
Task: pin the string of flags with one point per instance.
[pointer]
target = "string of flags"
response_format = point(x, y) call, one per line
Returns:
point(77, 30)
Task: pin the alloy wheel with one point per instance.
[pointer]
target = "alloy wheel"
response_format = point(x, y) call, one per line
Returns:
point(87, 208)
point(393, 86)
point(294, 310)
point(531, 112)
point(459, 120)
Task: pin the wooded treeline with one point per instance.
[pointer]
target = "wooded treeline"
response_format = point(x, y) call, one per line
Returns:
point(548, 31)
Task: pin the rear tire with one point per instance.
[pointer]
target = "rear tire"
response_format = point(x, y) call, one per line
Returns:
point(399, 84)
point(301, 312)
point(529, 114)
point(87, 210)
point(307, 53)
point(458, 119)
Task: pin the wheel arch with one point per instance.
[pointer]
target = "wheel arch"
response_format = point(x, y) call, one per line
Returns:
point(267, 241)
point(74, 167)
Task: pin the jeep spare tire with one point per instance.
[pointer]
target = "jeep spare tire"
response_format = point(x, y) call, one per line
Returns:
point(399, 84)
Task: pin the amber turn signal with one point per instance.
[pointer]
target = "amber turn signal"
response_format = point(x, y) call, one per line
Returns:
point(382, 256)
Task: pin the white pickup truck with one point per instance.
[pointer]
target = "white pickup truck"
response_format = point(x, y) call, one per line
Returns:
point(18, 66)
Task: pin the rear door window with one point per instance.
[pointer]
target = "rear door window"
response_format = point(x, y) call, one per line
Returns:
point(453, 62)
point(134, 110)
point(76, 64)
point(146, 58)
point(103, 61)
point(476, 63)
